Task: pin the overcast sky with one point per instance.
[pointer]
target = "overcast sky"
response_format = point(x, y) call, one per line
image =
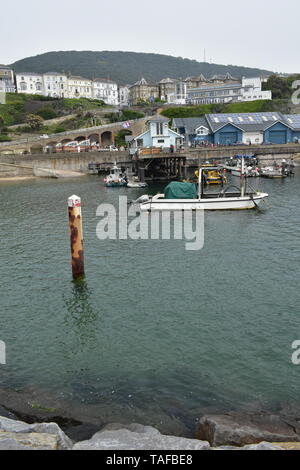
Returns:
point(255, 33)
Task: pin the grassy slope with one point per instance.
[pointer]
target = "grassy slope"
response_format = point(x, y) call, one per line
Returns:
point(247, 107)
point(18, 105)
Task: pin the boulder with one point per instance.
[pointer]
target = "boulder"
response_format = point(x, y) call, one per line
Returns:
point(260, 446)
point(137, 437)
point(13, 426)
point(240, 429)
point(28, 441)
point(288, 445)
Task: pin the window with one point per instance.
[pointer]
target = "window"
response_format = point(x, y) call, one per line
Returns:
point(202, 131)
point(160, 141)
point(159, 128)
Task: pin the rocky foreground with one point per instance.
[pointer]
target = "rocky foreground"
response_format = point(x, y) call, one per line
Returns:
point(18, 435)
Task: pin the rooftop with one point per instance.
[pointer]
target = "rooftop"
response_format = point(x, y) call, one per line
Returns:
point(75, 77)
point(246, 121)
point(104, 80)
point(158, 118)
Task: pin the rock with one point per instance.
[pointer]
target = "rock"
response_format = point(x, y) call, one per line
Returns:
point(262, 446)
point(12, 426)
point(239, 429)
point(6, 413)
point(28, 441)
point(137, 437)
point(288, 445)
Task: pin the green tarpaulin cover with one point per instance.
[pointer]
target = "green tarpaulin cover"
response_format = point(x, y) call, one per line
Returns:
point(176, 190)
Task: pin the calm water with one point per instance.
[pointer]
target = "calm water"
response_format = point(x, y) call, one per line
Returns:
point(153, 328)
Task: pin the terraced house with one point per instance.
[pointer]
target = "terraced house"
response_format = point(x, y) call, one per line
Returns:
point(7, 84)
point(106, 90)
point(233, 129)
point(249, 89)
point(142, 91)
point(30, 83)
point(80, 87)
point(56, 85)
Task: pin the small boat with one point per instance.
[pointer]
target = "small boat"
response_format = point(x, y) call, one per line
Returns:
point(272, 173)
point(180, 196)
point(136, 184)
point(116, 177)
point(279, 171)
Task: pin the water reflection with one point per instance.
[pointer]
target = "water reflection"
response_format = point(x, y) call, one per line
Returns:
point(80, 317)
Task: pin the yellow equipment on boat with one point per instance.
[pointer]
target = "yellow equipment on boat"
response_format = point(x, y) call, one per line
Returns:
point(213, 177)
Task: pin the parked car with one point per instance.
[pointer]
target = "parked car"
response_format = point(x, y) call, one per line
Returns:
point(109, 148)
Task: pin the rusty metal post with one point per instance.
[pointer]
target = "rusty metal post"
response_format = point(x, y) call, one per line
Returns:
point(76, 235)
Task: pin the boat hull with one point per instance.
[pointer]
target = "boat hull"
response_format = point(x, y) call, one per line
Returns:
point(234, 203)
point(115, 185)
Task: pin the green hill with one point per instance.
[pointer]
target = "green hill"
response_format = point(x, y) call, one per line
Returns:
point(257, 106)
point(127, 67)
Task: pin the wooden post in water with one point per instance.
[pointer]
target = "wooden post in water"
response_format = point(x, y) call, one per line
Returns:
point(76, 235)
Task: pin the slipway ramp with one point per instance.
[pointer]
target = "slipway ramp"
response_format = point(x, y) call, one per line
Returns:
point(6, 169)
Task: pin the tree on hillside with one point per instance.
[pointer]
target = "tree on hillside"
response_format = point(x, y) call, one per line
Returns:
point(34, 122)
point(128, 67)
point(279, 87)
point(1, 124)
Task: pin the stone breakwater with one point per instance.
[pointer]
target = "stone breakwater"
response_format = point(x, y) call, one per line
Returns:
point(18, 435)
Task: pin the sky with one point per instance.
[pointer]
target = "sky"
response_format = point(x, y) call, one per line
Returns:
point(257, 33)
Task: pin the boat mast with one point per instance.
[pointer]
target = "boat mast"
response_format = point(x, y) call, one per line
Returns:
point(199, 179)
point(243, 178)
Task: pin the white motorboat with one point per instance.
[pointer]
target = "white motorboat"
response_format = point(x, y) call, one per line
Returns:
point(116, 178)
point(136, 184)
point(188, 197)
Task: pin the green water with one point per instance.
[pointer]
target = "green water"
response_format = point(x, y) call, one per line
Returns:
point(153, 327)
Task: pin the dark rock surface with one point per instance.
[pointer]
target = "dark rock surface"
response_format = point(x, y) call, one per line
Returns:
point(239, 429)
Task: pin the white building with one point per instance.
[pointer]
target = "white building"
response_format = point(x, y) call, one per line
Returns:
point(252, 90)
point(106, 90)
point(180, 93)
point(30, 83)
point(7, 84)
point(55, 85)
point(124, 95)
point(249, 89)
point(80, 87)
point(158, 135)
